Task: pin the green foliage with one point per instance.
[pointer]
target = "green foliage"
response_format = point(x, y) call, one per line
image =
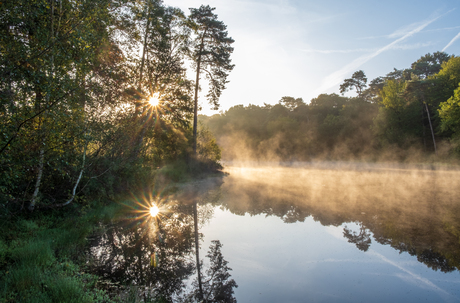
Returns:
point(444, 83)
point(396, 115)
point(207, 148)
point(400, 127)
point(449, 113)
point(3, 253)
point(391, 94)
point(74, 117)
point(291, 103)
point(175, 172)
point(210, 53)
point(76, 127)
point(329, 122)
point(211, 50)
point(357, 81)
point(429, 64)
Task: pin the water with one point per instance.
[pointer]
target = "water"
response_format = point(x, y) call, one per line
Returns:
point(316, 233)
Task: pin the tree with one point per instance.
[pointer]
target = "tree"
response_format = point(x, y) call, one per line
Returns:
point(399, 74)
point(357, 81)
point(444, 82)
point(323, 105)
point(448, 81)
point(291, 103)
point(429, 64)
point(48, 59)
point(161, 71)
point(450, 113)
point(210, 53)
point(416, 90)
point(391, 94)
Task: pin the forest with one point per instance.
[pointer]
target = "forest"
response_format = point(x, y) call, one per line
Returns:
point(95, 98)
point(408, 115)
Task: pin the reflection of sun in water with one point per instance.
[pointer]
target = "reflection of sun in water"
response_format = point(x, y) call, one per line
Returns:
point(154, 210)
point(154, 100)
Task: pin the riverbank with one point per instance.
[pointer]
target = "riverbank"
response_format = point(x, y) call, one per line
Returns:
point(43, 254)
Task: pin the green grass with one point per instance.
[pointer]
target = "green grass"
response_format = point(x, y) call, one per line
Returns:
point(35, 253)
point(41, 259)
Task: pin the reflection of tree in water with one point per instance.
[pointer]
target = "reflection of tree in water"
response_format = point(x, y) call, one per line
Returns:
point(124, 253)
point(217, 285)
point(129, 249)
point(434, 260)
point(412, 211)
point(362, 240)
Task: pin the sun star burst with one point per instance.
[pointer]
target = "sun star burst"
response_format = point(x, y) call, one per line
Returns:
point(154, 100)
point(154, 210)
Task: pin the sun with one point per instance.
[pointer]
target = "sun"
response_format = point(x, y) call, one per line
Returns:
point(154, 100)
point(154, 210)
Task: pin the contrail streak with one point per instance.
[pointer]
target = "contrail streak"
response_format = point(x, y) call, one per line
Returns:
point(338, 76)
point(416, 278)
point(451, 41)
point(357, 50)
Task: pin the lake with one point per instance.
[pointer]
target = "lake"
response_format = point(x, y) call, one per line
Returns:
point(304, 232)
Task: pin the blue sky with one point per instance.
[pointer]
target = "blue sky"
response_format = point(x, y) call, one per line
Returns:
point(305, 48)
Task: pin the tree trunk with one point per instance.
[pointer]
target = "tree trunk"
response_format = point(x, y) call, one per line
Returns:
point(197, 86)
point(423, 129)
point(431, 128)
point(195, 104)
point(78, 180)
point(197, 249)
point(41, 161)
point(39, 98)
point(42, 144)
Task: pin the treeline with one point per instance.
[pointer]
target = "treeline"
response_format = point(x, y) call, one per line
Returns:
point(76, 81)
point(408, 115)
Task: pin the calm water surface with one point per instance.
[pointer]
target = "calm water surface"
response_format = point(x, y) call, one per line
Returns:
point(306, 234)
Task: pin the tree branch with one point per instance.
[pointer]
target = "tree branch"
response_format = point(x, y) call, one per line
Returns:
point(33, 117)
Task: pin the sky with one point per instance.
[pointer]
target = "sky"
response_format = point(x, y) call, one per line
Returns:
point(304, 48)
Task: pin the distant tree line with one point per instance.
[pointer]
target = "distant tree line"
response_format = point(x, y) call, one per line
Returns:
point(412, 113)
point(76, 80)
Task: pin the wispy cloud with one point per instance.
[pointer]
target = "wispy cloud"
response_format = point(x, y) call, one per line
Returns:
point(451, 41)
point(366, 50)
point(412, 46)
point(337, 51)
point(338, 76)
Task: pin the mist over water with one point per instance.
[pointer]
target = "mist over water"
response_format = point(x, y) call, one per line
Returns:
point(421, 202)
point(339, 232)
point(303, 231)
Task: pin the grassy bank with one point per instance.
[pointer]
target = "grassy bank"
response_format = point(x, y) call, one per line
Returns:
point(42, 256)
